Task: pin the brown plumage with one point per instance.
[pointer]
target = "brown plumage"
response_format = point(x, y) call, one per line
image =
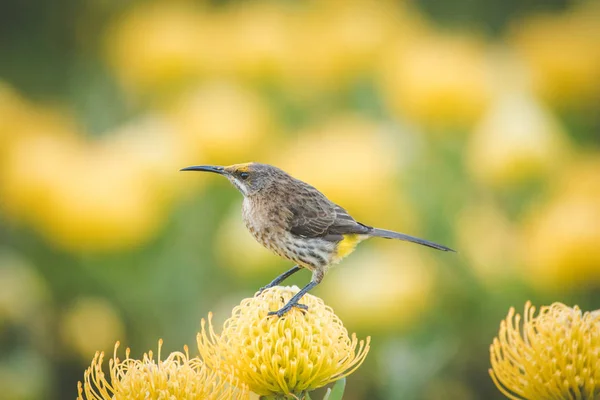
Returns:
point(297, 222)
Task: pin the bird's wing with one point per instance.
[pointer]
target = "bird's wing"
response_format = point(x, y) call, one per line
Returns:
point(313, 215)
point(312, 212)
point(344, 223)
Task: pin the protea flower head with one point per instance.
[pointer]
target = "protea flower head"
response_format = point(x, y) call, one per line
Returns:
point(554, 355)
point(176, 377)
point(299, 352)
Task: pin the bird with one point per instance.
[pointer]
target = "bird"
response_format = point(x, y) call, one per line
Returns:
point(298, 222)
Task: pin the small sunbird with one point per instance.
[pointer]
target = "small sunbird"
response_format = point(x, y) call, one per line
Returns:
point(297, 222)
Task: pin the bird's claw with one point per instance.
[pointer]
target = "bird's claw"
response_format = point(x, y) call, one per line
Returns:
point(287, 308)
point(261, 290)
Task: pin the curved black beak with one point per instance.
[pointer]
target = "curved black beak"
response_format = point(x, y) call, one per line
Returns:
point(206, 168)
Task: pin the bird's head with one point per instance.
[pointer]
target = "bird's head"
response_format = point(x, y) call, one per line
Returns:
point(249, 178)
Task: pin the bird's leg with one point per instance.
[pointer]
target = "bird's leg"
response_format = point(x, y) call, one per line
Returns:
point(316, 279)
point(280, 278)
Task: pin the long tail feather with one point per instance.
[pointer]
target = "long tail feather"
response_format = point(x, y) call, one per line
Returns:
point(396, 235)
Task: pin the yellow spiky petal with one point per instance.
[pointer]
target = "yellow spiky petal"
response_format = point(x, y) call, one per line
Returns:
point(176, 377)
point(555, 355)
point(299, 352)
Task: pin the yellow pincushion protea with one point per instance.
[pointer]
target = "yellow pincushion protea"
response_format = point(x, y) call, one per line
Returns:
point(176, 377)
point(555, 355)
point(291, 355)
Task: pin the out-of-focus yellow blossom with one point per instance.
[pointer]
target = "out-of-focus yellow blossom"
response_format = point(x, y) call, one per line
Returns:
point(554, 355)
point(21, 119)
point(157, 153)
point(490, 242)
point(103, 207)
point(517, 140)
point(563, 53)
point(437, 81)
point(224, 40)
point(333, 42)
point(28, 172)
point(90, 324)
point(108, 194)
point(225, 121)
point(385, 288)
point(561, 237)
point(353, 161)
point(79, 195)
point(176, 377)
point(155, 45)
point(168, 45)
point(24, 296)
point(254, 40)
point(14, 113)
point(249, 257)
point(299, 352)
point(10, 104)
point(318, 45)
point(25, 307)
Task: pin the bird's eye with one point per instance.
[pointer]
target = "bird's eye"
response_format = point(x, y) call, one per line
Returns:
point(244, 175)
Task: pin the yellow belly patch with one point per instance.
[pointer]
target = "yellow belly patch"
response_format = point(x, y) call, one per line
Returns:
point(347, 246)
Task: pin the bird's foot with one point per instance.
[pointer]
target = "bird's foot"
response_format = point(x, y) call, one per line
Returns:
point(288, 307)
point(262, 289)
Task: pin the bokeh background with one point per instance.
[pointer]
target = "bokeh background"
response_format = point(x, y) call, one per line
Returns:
point(473, 124)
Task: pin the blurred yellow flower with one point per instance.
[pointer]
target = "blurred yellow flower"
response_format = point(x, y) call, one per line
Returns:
point(224, 121)
point(437, 81)
point(90, 324)
point(554, 355)
point(353, 160)
point(299, 352)
point(24, 294)
point(560, 238)
point(14, 112)
point(517, 140)
point(26, 308)
point(318, 45)
point(563, 52)
point(21, 119)
point(176, 377)
point(105, 207)
point(385, 286)
point(28, 171)
point(490, 242)
point(254, 40)
point(156, 152)
point(333, 42)
point(155, 45)
point(102, 195)
point(168, 45)
point(81, 196)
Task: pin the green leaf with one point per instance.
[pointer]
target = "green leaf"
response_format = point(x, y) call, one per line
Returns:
point(337, 392)
point(307, 396)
